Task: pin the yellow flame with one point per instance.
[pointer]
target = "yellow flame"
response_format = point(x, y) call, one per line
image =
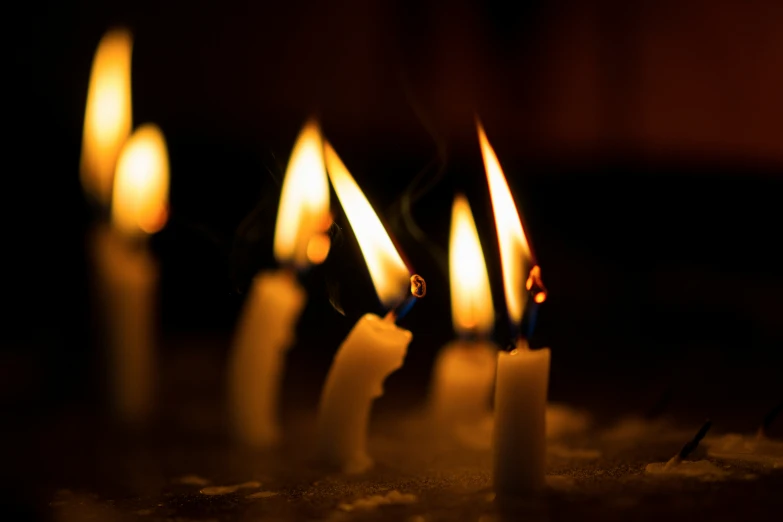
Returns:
point(141, 184)
point(304, 200)
point(387, 269)
point(515, 253)
point(107, 118)
point(471, 299)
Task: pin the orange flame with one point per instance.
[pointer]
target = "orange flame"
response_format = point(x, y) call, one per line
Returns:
point(387, 269)
point(304, 203)
point(141, 183)
point(515, 252)
point(471, 299)
point(107, 117)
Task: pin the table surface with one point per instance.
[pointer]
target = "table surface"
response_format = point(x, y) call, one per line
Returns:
point(85, 468)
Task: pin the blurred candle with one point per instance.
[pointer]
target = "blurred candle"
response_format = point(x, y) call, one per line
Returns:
point(374, 348)
point(127, 272)
point(266, 328)
point(128, 178)
point(464, 371)
point(519, 439)
point(108, 116)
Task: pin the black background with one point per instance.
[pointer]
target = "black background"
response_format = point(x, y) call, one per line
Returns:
point(643, 145)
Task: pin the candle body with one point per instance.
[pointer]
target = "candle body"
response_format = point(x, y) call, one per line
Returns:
point(265, 332)
point(373, 349)
point(519, 440)
point(463, 378)
point(127, 280)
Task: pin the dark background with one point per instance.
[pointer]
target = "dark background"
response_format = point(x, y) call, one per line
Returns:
point(643, 144)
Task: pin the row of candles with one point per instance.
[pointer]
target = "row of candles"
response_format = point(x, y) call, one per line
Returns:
point(127, 173)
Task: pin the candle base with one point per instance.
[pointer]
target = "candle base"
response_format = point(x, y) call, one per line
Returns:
point(519, 440)
point(264, 334)
point(373, 349)
point(126, 280)
point(463, 379)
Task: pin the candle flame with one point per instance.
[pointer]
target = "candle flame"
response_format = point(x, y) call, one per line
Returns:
point(514, 248)
point(387, 269)
point(304, 203)
point(141, 183)
point(471, 299)
point(107, 117)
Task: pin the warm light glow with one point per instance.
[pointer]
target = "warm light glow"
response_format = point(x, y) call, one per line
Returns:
point(107, 118)
point(389, 273)
point(141, 184)
point(304, 201)
point(471, 300)
point(318, 248)
point(515, 253)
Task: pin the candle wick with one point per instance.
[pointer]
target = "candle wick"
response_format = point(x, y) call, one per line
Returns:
point(690, 446)
point(418, 290)
point(768, 419)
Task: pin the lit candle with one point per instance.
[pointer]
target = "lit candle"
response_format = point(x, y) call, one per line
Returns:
point(375, 347)
point(128, 272)
point(266, 328)
point(464, 371)
point(519, 440)
point(130, 177)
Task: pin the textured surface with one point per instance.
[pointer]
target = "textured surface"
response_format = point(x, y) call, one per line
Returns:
point(107, 475)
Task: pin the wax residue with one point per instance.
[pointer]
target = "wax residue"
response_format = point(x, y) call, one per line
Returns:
point(561, 420)
point(702, 469)
point(564, 420)
point(633, 429)
point(192, 480)
point(559, 450)
point(764, 451)
point(263, 494)
point(559, 482)
point(372, 502)
point(225, 490)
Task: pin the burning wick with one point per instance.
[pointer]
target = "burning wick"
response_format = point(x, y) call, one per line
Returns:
point(689, 446)
point(418, 290)
point(537, 294)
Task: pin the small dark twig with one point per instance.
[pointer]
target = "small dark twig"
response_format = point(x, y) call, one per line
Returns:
point(691, 445)
point(769, 418)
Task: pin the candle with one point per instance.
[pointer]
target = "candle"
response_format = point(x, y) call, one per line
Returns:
point(127, 272)
point(464, 371)
point(374, 348)
point(519, 439)
point(128, 178)
point(266, 328)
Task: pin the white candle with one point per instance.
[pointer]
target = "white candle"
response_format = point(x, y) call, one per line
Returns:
point(464, 371)
point(126, 289)
point(266, 329)
point(127, 273)
point(373, 349)
point(128, 175)
point(264, 333)
point(519, 438)
point(463, 378)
